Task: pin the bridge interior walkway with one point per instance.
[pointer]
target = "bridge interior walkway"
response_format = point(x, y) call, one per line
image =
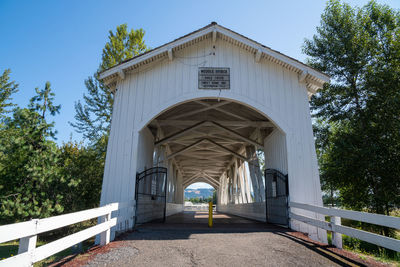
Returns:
point(198, 220)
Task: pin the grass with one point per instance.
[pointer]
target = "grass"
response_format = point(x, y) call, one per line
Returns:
point(365, 250)
point(10, 249)
point(62, 254)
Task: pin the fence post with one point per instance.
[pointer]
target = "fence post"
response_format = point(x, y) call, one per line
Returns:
point(105, 236)
point(336, 237)
point(28, 243)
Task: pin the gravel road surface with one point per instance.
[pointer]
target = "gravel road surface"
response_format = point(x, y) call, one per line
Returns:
point(185, 240)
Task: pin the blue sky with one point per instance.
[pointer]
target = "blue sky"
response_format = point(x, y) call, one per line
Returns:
point(61, 41)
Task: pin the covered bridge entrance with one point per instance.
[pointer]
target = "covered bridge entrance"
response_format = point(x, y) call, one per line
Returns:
point(206, 108)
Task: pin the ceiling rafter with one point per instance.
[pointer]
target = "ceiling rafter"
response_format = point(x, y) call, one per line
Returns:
point(199, 110)
point(202, 175)
point(200, 124)
point(248, 123)
point(210, 141)
point(238, 135)
point(208, 156)
point(228, 150)
point(170, 156)
point(212, 178)
point(200, 179)
point(223, 111)
point(191, 178)
point(180, 133)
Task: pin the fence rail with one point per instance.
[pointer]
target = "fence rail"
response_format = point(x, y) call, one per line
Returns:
point(196, 207)
point(27, 233)
point(337, 229)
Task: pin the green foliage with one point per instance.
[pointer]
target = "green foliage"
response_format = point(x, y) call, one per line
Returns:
point(39, 179)
point(93, 116)
point(28, 167)
point(357, 124)
point(7, 88)
point(214, 197)
point(83, 168)
point(122, 45)
point(200, 199)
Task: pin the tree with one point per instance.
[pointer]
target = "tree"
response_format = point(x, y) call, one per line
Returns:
point(357, 115)
point(7, 88)
point(82, 168)
point(122, 45)
point(28, 169)
point(93, 117)
point(214, 197)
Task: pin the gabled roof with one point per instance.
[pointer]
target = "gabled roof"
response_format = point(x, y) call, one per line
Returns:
point(313, 78)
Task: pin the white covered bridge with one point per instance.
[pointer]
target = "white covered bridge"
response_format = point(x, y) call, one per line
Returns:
point(201, 109)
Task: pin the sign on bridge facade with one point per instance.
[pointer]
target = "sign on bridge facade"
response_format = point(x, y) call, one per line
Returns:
point(214, 78)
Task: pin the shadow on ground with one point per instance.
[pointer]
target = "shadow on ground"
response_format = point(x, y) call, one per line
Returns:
point(183, 225)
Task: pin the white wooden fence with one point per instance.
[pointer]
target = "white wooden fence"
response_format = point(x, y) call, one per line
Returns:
point(337, 229)
point(27, 232)
point(196, 207)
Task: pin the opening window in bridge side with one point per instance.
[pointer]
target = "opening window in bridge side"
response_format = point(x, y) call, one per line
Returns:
point(274, 180)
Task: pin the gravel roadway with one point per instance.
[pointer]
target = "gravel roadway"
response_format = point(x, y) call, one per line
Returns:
point(185, 240)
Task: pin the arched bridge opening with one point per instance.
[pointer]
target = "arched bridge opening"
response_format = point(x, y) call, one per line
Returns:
point(220, 142)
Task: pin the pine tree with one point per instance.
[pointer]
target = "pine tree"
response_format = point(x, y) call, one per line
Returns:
point(29, 171)
point(93, 116)
point(7, 88)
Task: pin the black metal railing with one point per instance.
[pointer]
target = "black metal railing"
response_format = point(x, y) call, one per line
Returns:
point(151, 194)
point(276, 197)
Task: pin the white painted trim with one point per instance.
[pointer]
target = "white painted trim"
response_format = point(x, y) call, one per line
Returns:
point(170, 55)
point(303, 76)
point(214, 36)
point(28, 231)
point(214, 29)
point(52, 248)
point(121, 74)
point(272, 116)
point(163, 49)
point(258, 55)
point(273, 54)
point(378, 219)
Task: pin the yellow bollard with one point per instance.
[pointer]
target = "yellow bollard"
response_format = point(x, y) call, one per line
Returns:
point(210, 214)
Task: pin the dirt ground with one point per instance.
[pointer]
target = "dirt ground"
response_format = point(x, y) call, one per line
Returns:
point(186, 240)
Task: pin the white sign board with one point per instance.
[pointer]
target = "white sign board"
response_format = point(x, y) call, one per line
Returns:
point(214, 78)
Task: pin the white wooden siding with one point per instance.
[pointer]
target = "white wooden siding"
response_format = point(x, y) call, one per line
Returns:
point(275, 152)
point(265, 86)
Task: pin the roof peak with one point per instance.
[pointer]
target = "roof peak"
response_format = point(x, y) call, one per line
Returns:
point(110, 75)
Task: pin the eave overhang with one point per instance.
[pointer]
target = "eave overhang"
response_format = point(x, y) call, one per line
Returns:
point(312, 78)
